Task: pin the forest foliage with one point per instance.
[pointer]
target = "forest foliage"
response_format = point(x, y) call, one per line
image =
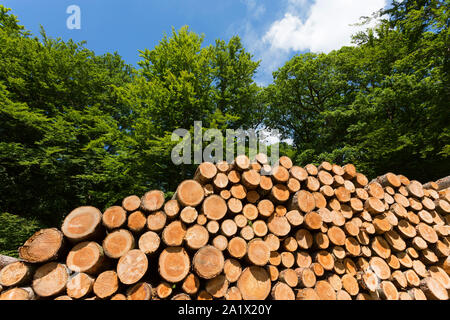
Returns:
point(78, 128)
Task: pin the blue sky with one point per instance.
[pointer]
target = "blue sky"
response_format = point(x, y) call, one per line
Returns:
point(272, 31)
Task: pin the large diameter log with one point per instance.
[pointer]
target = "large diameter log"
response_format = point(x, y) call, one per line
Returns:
point(86, 257)
point(83, 223)
point(254, 283)
point(15, 274)
point(190, 193)
point(208, 262)
point(132, 267)
point(50, 279)
point(118, 243)
point(44, 245)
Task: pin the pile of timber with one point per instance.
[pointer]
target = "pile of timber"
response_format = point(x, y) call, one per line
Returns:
point(248, 231)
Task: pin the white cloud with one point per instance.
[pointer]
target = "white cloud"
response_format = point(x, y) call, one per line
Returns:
point(329, 25)
point(256, 10)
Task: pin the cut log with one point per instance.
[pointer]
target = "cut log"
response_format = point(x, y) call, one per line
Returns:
point(325, 291)
point(279, 193)
point(415, 189)
point(136, 222)
point(350, 284)
point(181, 296)
point(290, 277)
point(232, 270)
point(303, 201)
point(325, 259)
point(172, 208)
point(237, 247)
point(131, 203)
point(50, 279)
point(238, 191)
point(79, 286)
point(298, 173)
point(260, 228)
point(304, 238)
point(266, 208)
point(191, 284)
point(140, 291)
point(205, 172)
point(287, 259)
point(234, 205)
point(174, 233)
point(214, 207)
point(250, 211)
point(106, 284)
point(221, 181)
point(44, 245)
point(86, 257)
point(258, 252)
point(83, 223)
point(188, 215)
point(388, 291)
point(208, 262)
point(281, 291)
point(164, 290)
point(217, 287)
point(427, 233)
point(312, 220)
point(196, 237)
point(152, 200)
point(18, 294)
point(114, 217)
point(132, 267)
point(118, 243)
point(433, 289)
point(149, 242)
point(16, 274)
point(240, 220)
point(279, 226)
point(374, 205)
point(233, 293)
point(254, 283)
point(213, 227)
point(272, 241)
point(220, 242)
point(174, 264)
point(190, 193)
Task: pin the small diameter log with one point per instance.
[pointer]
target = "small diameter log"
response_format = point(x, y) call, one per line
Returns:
point(415, 189)
point(295, 218)
point(266, 208)
point(307, 294)
point(205, 172)
point(290, 277)
point(196, 237)
point(220, 242)
point(106, 284)
point(164, 290)
point(131, 203)
point(136, 222)
point(389, 179)
point(181, 296)
point(79, 286)
point(132, 267)
point(44, 245)
point(313, 220)
point(156, 221)
point(254, 283)
point(81, 224)
point(152, 200)
point(238, 191)
point(174, 264)
point(374, 205)
point(287, 259)
point(281, 291)
point(265, 184)
point(228, 228)
point(25, 293)
point(118, 243)
point(174, 233)
point(258, 252)
point(298, 173)
point(233, 293)
point(191, 284)
point(140, 291)
point(350, 284)
point(190, 193)
point(217, 287)
point(325, 291)
point(304, 238)
point(15, 274)
point(50, 279)
point(250, 211)
point(242, 162)
point(114, 217)
point(381, 247)
point(253, 197)
point(247, 233)
point(237, 247)
point(306, 277)
point(427, 233)
point(251, 179)
point(172, 208)
point(63, 298)
point(325, 259)
point(280, 174)
point(234, 205)
point(260, 228)
point(188, 215)
point(220, 181)
point(86, 257)
point(208, 262)
point(232, 270)
point(149, 242)
point(336, 236)
point(214, 207)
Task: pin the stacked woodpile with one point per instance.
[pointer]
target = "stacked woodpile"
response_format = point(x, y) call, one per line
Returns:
point(249, 231)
